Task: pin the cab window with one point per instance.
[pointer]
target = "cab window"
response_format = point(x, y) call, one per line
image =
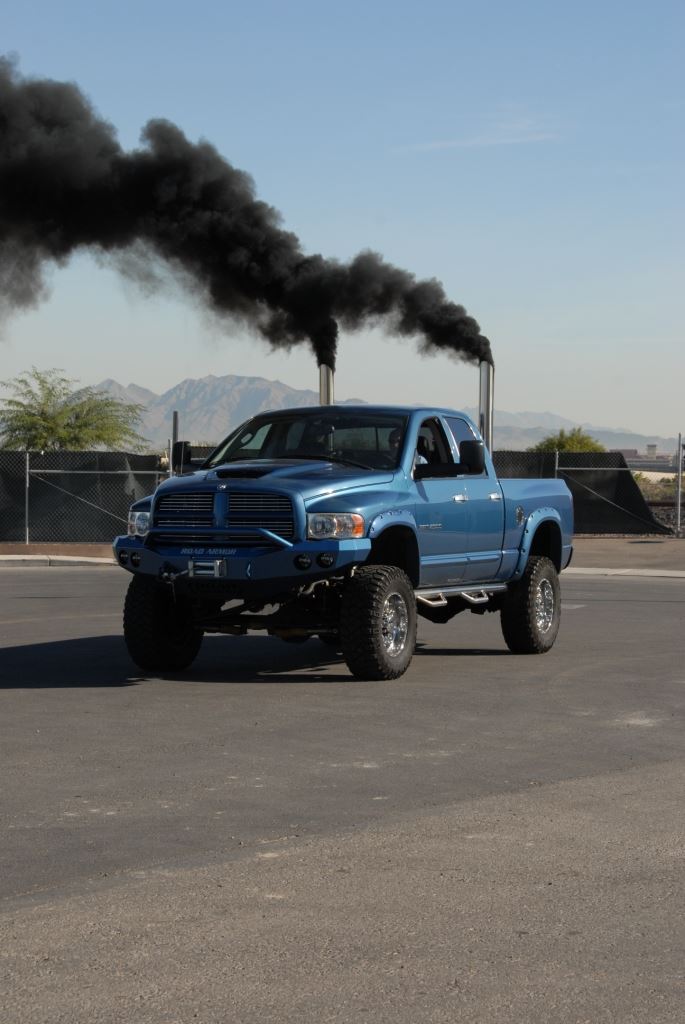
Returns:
point(461, 431)
point(432, 446)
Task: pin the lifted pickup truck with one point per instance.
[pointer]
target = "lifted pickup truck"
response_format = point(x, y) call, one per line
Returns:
point(343, 523)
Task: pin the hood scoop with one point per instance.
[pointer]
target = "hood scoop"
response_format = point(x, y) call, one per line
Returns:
point(248, 473)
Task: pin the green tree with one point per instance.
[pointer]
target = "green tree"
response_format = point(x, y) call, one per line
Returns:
point(45, 413)
point(575, 440)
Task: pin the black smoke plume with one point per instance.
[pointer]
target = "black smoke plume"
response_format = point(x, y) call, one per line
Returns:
point(66, 183)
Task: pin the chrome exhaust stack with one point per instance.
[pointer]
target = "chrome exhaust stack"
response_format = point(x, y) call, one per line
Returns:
point(486, 402)
point(326, 385)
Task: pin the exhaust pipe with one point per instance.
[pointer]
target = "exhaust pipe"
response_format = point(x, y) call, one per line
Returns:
point(326, 385)
point(486, 402)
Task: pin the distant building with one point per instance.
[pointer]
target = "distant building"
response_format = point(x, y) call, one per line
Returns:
point(649, 462)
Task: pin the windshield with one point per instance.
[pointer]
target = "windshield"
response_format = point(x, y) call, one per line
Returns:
point(369, 441)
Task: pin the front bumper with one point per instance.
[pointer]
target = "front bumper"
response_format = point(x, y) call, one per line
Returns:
point(241, 570)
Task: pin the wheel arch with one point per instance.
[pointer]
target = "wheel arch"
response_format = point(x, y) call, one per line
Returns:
point(396, 545)
point(542, 536)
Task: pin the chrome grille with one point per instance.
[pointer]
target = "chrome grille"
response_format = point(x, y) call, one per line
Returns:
point(251, 509)
point(185, 508)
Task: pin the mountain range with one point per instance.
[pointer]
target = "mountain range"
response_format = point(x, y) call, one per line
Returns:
point(209, 407)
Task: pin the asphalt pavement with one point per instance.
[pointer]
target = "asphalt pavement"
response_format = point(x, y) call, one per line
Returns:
point(262, 838)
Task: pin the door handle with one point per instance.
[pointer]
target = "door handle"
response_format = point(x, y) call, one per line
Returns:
point(460, 497)
point(495, 497)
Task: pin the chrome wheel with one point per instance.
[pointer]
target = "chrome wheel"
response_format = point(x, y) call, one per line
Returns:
point(532, 609)
point(394, 624)
point(378, 622)
point(544, 606)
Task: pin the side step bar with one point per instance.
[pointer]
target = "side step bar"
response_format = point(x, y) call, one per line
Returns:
point(474, 595)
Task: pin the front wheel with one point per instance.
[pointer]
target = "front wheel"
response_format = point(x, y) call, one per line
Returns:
point(158, 629)
point(378, 622)
point(532, 609)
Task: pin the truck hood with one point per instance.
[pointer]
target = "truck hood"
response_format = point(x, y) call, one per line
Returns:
point(308, 477)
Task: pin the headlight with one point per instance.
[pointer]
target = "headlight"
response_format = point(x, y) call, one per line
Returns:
point(334, 525)
point(138, 523)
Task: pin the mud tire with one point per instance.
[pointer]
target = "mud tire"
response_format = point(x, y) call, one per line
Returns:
point(531, 612)
point(158, 630)
point(378, 622)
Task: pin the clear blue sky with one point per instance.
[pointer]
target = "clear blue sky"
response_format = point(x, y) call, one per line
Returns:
point(529, 156)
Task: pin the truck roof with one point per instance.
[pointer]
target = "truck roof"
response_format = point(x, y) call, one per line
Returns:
point(403, 410)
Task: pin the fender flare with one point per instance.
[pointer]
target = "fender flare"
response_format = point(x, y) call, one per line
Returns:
point(404, 546)
point(384, 520)
point(534, 520)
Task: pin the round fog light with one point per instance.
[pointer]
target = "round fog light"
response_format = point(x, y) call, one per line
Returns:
point(135, 559)
point(303, 562)
point(123, 557)
point(326, 559)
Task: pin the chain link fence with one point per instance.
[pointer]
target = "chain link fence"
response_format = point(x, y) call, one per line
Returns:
point(606, 497)
point(71, 497)
point(68, 497)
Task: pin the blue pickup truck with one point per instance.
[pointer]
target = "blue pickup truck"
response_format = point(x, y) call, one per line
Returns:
point(343, 523)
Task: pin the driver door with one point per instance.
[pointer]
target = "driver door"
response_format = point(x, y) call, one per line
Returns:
point(485, 517)
point(441, 512)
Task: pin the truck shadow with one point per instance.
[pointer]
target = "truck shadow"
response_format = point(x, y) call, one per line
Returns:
point(102, 661)
point(426, 650)
point(87, 661)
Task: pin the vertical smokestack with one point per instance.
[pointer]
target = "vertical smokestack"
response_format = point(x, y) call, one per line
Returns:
point(174, 439)
point(326, 385)
point(486, 401)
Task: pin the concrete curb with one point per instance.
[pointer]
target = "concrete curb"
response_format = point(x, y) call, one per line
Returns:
point(668, 573)
point(10, 561)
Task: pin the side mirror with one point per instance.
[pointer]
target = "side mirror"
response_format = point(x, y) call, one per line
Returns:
point(181, 454)
point(472, 457)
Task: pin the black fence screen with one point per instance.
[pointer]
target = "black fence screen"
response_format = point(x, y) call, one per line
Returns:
point(12, 496)
point(67, 497)
point(606, 498)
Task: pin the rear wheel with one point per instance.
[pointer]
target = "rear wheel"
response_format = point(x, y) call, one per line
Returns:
point(158, 629)
point(532, 609)
point(378, 622)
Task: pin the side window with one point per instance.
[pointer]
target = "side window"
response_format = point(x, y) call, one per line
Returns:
point(432, 446)
point(460, 429)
